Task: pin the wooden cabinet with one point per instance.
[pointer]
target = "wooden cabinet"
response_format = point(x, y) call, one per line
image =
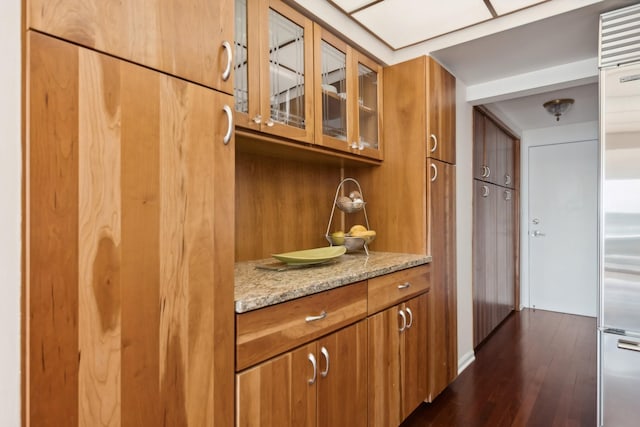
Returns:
point(348, 97)
point(322, 383)
point(193, 42)
point(494, 262)
point(129, 193)
point(495, 152)
point(274, 69)
point(443, 342)
point(398, 362)
point(441, 107)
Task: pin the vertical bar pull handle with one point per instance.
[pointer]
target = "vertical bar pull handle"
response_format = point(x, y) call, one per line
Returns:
point(435, 143)
point(227, 136)
point(325, 354)
point(404, 320)
point(408, 310)
point(227, 70)
point(312, 359)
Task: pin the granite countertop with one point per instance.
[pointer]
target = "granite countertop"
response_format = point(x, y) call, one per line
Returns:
point(257, 288)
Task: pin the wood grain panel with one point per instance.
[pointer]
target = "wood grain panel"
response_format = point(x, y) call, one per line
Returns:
point(277, 392)
point(342, 393)
point(415, 372)
point(441, 100)
point(443, 341)
point(385, 291)
point(161, 34)
point(264, 333)
point(140, 233)
point(51, 233)
point(99, 240)
point(281, 205)
point(385, 381)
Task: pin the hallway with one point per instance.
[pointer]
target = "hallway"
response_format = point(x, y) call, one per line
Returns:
point(537, 369)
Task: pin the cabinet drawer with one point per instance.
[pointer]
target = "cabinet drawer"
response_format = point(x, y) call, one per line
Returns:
point(264, 333)
point(390, 289)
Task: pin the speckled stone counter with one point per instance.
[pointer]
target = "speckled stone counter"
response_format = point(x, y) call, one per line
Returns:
point(257, 288)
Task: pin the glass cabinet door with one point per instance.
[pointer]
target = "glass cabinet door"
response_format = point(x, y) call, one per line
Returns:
point(368, 99)
point(246, 90)
point(287, 55)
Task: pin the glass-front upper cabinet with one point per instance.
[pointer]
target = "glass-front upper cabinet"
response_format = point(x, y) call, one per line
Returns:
point(274, 63)
point(347, 98)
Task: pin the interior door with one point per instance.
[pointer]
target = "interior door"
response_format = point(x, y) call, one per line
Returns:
point(562, 223)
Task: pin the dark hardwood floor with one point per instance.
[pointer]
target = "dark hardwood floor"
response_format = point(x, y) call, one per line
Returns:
point(537, 369)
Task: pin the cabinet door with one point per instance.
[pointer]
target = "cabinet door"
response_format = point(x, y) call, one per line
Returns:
point(443, 305)
point(129, 198)
point(365, 139)
point(332, 89)
point(342, 377)
point(188, 42)
point(506, 252)
point(385, 380)
point(286, 71)
point(280, 392)
point(441, 122)
point(484, 261)
point(479, 157)
point(492, 170)
point(415, 372)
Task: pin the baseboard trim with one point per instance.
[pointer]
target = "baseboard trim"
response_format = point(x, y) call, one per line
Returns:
point(466, 360)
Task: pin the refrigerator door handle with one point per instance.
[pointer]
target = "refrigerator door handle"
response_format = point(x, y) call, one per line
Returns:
point(629, 345)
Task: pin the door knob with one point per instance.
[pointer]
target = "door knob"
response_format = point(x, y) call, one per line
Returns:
point(538, 233)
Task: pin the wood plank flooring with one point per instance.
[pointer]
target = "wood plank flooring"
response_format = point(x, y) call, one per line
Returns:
point(537, 369)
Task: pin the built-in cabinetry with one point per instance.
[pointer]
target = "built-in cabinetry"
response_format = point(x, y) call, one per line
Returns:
point(129, 193)
point(415, 194)
point(495, 226)
point(296, 80)
point(322, 362)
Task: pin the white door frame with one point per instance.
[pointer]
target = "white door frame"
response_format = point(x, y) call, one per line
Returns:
point(579, 132)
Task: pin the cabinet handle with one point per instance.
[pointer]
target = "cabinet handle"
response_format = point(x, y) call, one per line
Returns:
point(320, 316)
point(270, 123)
point(325, 353)
point(435, 172)
point(405, 285)
point(312, 359)
point(408, 310)
point(488, 172)
point(484, 171)
point(227, 136)
point(361, 146)
point(628, 345)
point(507, 195)
point(227, 71)
point(485, 191)
point(435, 143)
point(354, 145)
point(404, 321)
point(257, 119)
point(507, 179)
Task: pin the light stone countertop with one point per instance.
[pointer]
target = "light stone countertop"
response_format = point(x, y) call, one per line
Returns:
point(257, 288)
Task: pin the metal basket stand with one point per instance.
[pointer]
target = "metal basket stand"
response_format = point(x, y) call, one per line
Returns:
point(348, 210)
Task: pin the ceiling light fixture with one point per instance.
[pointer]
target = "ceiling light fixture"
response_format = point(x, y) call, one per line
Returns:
point(557, 107)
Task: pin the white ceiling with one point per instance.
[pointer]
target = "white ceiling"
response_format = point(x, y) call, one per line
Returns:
point(512, 63)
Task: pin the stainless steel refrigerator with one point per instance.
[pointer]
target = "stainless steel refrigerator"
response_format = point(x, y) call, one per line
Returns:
point(619, 226)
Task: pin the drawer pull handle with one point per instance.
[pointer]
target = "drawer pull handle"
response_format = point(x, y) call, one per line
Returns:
point(405, 285)
point(312, 359)
point(325, 353)
point(408, 310)
point(628, 345)
point(314, 318)
point(404, 321)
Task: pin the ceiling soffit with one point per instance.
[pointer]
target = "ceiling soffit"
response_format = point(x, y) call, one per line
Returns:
point(402, 23)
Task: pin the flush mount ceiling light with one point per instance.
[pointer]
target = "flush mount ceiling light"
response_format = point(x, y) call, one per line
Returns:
point(557, 107)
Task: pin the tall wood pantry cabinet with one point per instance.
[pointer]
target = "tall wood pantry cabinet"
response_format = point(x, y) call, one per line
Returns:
point(495, 225)
point(128, 214)
point(415, 194)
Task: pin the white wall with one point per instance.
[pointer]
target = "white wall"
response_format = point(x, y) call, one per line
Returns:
point(10, 216)
point(552, 135)
point(464, 220)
